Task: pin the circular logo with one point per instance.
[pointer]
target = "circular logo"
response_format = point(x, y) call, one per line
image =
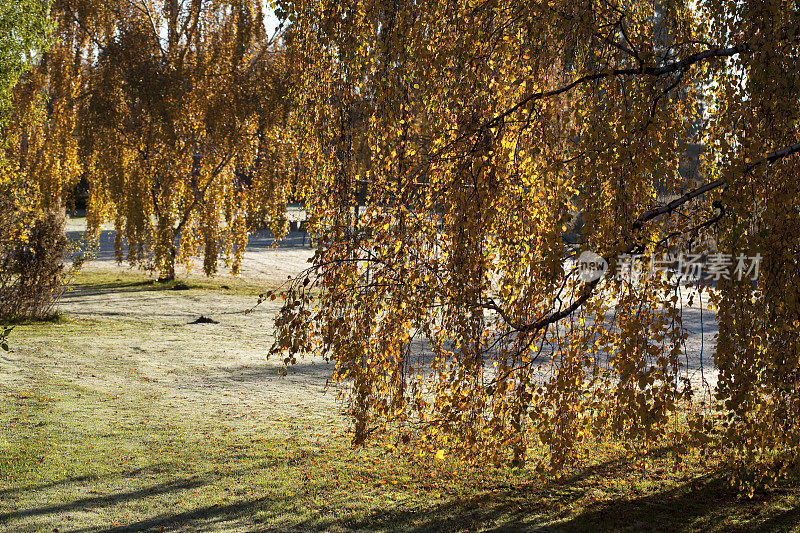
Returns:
point(591, 266)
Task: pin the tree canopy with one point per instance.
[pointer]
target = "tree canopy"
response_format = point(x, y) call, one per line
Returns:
point(181, 129)
point(462, 164)
point(451, 147)
point(24, 32)
point(169, 113)
point(28, 284)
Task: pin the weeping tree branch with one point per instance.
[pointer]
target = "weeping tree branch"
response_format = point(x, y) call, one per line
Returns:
point(642, 70)
point(588, 288)
point(675, 67)
point(689, 196)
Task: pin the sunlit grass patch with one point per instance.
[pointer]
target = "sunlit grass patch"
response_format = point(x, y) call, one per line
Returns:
point(92, 278)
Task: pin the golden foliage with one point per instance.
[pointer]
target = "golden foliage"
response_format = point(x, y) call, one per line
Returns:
point(447, 148)
point(170, 112)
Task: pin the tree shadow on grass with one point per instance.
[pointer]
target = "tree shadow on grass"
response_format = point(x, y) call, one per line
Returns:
point(783, 521)
point(12, 492)
point(256, 373)
point(704, 503)
point(707, 503)
point(96, 501)
point(106, 288)
point(199, 519)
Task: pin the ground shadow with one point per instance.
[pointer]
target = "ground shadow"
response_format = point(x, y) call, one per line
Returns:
point(701, 504)
point(199, 519)
point(100, 289)
point(110, 499)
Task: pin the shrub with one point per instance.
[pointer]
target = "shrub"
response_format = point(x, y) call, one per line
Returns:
point(32, 271)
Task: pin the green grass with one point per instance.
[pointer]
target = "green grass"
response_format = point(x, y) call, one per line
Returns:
point(109, 453)
point(79, 460)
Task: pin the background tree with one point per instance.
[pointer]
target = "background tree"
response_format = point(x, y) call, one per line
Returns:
point(46, 103)
point(24, 34)
point(169, 111)
point(24, 31)
point(445, 296)
point(32, 243)
point(184, 101)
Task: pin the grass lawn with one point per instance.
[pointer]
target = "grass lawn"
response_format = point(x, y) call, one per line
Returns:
point(123, 416)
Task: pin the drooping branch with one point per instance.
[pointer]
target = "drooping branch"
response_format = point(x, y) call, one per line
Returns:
point(689, 196)
point(589, 287)
point(552, 318)
point(673, 67)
